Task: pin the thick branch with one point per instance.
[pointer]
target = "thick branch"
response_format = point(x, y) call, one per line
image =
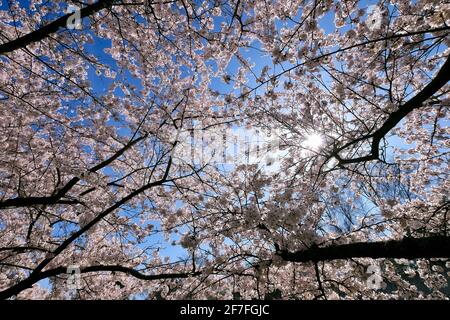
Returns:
point(114, 268)
point(118, 268)
point(441, 79)
point(38, 270)
point(407, 248)
point(56, 197)
point(50, 28)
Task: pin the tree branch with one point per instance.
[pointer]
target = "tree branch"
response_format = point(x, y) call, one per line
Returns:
point(52, 27)
point(407, 248)
point(441, 79)
point(113, 268)
point(56, 198)
point(38, 270)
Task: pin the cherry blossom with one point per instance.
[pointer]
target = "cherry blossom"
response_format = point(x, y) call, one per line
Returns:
point(95, 170)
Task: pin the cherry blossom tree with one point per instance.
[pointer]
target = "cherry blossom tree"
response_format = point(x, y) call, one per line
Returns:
point(92, 174)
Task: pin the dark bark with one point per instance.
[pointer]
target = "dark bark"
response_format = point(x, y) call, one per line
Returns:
point(36, 274)
point(407, 248)
point(56, 198)
point(28, 283)
point(441, 79)
point(50, 28)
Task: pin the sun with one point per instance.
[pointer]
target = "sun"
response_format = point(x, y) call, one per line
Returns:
point(313, 141)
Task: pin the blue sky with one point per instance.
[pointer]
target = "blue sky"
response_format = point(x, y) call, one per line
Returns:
point(100, 85)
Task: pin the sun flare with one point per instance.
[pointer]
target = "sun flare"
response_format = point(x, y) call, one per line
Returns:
point(313, 141)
